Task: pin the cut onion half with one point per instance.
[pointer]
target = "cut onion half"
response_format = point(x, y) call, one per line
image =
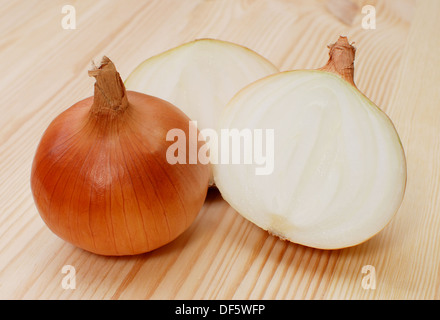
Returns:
point(339, 168)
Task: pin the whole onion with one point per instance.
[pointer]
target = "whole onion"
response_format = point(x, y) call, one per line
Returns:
point(100, 176)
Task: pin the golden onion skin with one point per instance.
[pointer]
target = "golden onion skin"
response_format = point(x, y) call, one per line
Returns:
point(102, 181)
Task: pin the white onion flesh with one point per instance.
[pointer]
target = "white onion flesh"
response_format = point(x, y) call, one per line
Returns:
point(200, 77)
point(339, 170)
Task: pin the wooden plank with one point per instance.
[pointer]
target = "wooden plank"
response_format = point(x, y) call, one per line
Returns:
point(222, 256)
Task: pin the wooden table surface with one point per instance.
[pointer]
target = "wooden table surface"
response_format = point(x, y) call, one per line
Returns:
point(222, 256)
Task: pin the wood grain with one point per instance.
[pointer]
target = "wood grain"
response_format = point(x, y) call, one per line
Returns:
point(222, 256)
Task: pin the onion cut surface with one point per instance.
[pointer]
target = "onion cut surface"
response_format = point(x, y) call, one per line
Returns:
point(339, 171)
point(200, 77)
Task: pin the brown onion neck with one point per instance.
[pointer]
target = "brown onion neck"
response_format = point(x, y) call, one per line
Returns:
point(110, 96)
point(341, 62)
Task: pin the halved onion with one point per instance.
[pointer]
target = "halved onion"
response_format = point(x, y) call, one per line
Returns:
point(339, 169)
point(200, 77)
